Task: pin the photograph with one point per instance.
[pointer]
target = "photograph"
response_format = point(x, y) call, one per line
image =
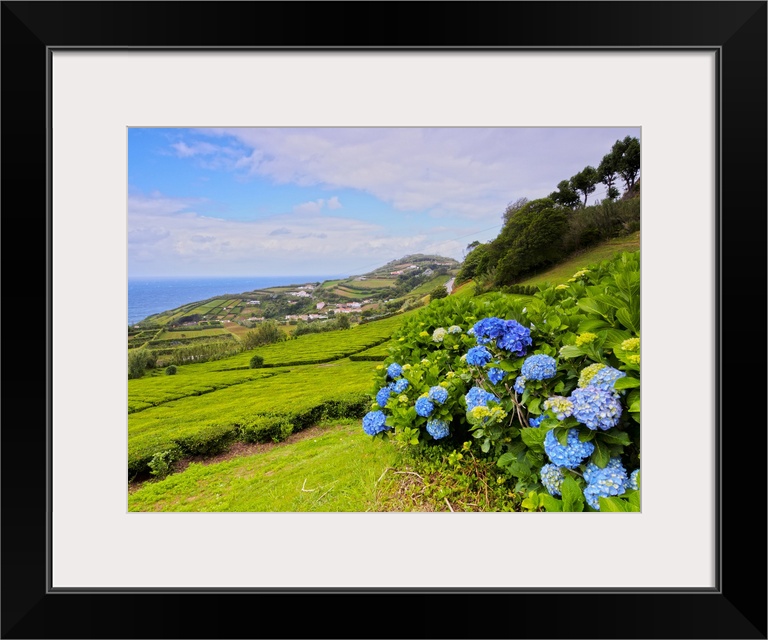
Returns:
point(384, 319)
point(383, 298)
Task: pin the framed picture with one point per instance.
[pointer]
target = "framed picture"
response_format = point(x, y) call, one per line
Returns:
point(691, 76)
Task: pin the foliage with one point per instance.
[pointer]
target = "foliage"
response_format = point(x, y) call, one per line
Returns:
point(553, 380)
point(626, 158)
point(171, 370)
point(438, 292)
point(256, 361)
point(585, 181)
point(139, 360)
point(162, 462)
point(266, 333)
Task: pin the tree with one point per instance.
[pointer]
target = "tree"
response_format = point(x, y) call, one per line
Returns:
point(342, 322)
point(626, 155)
point(585, 181)
point(438, 292)
point(513, 208)
point(606, 173)
point(565, 195)
point(266, 333)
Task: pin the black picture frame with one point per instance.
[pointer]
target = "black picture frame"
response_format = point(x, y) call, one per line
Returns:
point(736, 608)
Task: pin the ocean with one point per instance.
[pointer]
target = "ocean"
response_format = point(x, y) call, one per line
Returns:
point(147, 296)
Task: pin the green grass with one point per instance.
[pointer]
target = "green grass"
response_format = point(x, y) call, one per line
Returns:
point(334, 470)
point(199, 333)
point(302, 394)
point(427, 286)
point(604, 251)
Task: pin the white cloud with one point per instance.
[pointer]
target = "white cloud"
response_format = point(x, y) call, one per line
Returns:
point(333, 203)
point(314, 206)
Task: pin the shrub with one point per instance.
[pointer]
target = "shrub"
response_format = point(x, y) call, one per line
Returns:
point(171, 370)
point(266, 333)
point(266, 428)
point(161, 463)
point(438, 292)
point(139, 360)
point(558, 384)
point(256, 362)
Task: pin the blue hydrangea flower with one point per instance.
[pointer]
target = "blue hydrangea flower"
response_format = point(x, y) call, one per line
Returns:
point(611, 481)
point(552, 478)
point(605, 378)
point(487, 330)
point(633, 480)
point(515, 338)
point(536, 420)
point(570, 455)
point(478, 397)
point(438, 394)
point(479, 356)
point(401, 385)
point(496, 375)
point(595, 407)
point(562, 407)
point(520, 384)
point(592, 468)
point(394, 370)
point(373, 422)
point(383, 395)
point(539, 367)
point(437, 428)
point(424, 407)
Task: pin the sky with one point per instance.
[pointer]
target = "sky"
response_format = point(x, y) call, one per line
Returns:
point(334, 201)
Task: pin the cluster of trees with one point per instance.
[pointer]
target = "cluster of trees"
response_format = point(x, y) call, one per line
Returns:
point(541, 232)
point(267, 332)
point(623, 161)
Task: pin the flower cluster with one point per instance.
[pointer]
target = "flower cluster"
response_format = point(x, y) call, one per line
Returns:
point(454, 328)
point(437, 428)
point(585, 338)
point(631, 344)
point(536, 420)
point(509, 335)
point(587, 373)
point(596, 408)
point(633, 480)
point(438, 334)
point(496, 375)
point(539, 367)
point(519, 384)
point(605, 378)
point(383, 395)
point(438, 394)
point(400, 386)
point(562, 407)
point(394, 370)
point(485, 415)
point(479, 356)
point(373, 422)
point(552, 478)
point(609, 481)
point(424, 407)
point(478, 397)
point(570, 455)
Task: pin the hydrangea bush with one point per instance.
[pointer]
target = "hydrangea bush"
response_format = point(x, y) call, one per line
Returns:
point(547, 387)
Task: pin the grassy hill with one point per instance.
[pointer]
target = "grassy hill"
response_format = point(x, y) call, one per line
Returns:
point(285, 437)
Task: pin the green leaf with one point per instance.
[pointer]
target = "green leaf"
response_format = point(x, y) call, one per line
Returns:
point(616, 437)
point(601, 455)
point(506, 365)
point(562, 435)
point(587, 435)
point(533, 406)
point(634, 407)
point(573, 499)
point(531, 504)
point(626, 382)
point(550, 503)
point(506, 459)
point(519, 469)
point(633, 500)
point(553, 321)
point(593, 325)
point(630, 320)
point(612, 504)
point(486, 446)
point(613, 337)
point(590, 305)
point(534, 438)
point(571, 351)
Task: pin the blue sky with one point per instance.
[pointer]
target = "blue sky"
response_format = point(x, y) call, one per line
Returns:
point(334, 201)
